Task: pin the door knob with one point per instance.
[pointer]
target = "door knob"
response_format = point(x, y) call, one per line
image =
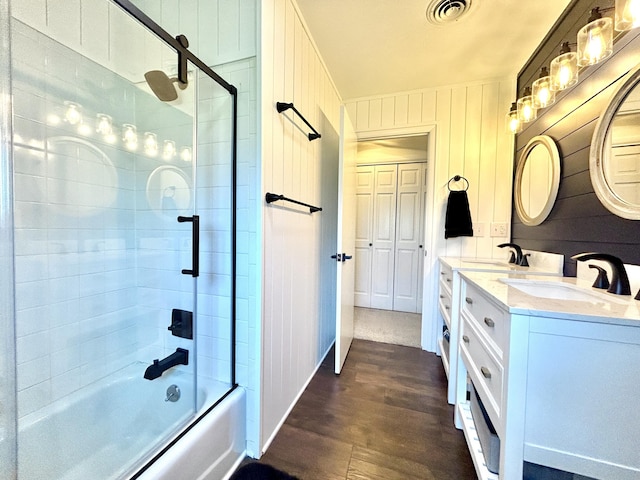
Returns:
point(346, 257)
point(371, 244)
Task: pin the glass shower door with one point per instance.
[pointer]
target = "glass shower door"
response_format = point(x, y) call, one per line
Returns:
point(105, 199)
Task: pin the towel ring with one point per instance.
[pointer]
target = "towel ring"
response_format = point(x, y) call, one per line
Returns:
point(457, 178)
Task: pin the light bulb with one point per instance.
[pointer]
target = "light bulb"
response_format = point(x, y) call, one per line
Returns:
point(130, 136)
point(53, 119)
point(564, 69)
point(169, 150)
point(150, 144)
point(543, 96)
point(104, 124)
point(595, 40)
point(512, 122)
point(72, 114)
point(627, 14)
point(185, 154)
point(84, 129)
point(526, 110)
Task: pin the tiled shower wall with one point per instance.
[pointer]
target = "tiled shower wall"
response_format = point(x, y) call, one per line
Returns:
point(64, 304)
point(78, 274)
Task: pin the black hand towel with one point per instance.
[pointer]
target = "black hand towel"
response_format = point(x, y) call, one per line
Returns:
point(457, 221)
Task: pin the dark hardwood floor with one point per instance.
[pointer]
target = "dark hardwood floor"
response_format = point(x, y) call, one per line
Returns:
point(384, 417)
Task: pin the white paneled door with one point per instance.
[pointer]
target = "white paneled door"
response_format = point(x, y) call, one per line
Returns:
point(389, 244)
point(364, 234)
point(383, 239)
point(408, 238)
point(346, 239)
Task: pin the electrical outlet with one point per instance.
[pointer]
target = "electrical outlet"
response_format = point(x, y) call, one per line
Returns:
point(478, 229)
point(498, 229)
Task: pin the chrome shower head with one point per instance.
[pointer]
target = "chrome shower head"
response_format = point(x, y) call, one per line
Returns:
point(163, 86)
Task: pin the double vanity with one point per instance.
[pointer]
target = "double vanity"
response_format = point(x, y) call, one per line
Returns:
point(555, 365)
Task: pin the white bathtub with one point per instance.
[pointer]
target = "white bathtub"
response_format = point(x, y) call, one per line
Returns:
point(105, 431)
point(211, 449)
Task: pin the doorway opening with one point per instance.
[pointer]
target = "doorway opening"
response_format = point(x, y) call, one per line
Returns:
point(390, 238)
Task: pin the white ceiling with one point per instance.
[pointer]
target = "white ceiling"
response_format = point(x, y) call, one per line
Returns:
point(374, 47)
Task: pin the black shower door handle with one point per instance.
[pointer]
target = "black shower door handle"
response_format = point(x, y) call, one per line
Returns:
point(195, 245)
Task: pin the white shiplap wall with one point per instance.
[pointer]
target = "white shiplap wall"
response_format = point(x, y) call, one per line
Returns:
point(467, 123)
point(294, 338)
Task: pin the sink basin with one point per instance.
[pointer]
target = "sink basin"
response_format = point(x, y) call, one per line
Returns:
point(561, 291)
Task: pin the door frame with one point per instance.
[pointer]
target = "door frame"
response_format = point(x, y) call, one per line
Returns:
point(429, 327)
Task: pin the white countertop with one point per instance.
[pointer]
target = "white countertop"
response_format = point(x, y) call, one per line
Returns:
point(604, 308)
point(490, 265)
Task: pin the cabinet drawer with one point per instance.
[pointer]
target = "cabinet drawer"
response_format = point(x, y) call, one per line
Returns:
point(489, 318)
point(444, 302)
point(446, 277)
point(486, 371)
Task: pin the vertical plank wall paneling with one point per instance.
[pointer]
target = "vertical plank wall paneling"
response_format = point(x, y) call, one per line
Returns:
point(469, 141)
point(295, 337)
point(578, 222)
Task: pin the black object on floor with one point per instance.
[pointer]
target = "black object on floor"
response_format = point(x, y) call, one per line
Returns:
point(260, 471)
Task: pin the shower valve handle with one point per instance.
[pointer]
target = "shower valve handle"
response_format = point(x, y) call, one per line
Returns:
point(195, 245)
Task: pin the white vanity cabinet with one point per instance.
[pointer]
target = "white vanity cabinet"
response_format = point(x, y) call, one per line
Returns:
point(445, 294)
point(560, 380)
point(449, 297)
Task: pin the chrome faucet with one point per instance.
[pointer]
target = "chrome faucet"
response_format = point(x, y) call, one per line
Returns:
point(619, 284)
point(518, 259)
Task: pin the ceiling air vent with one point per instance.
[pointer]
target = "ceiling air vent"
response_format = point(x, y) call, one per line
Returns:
point(446, 11)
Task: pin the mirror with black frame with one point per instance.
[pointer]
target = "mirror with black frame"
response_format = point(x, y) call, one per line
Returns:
point(614, 162)
point(537, 180)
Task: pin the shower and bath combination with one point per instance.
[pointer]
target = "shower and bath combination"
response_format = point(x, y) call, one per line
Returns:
point(95, 279)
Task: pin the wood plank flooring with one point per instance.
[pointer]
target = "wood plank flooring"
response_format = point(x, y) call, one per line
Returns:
point(384, 417)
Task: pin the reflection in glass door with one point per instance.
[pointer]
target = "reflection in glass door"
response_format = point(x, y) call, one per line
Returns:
point(108, 143)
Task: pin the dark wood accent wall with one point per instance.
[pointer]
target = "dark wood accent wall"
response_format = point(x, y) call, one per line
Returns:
point(578, 221)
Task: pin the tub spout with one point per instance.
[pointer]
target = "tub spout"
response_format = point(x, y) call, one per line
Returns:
point(157, 368)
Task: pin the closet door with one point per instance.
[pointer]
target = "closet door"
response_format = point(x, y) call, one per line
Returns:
point(408, 241)
point(384, 237)
point(364, 234)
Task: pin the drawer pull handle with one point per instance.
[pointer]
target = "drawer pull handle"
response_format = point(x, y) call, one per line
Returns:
point(441, 296)
point(469, 300)
point(486, 373)
point(442, 273)
point(446, 307)
point(489, 322)
point(448, 280)
point(465, 339)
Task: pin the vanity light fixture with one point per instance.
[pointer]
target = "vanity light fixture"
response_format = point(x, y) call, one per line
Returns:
point(185, 154)
point(595, 39)
point(72, 114)
point(168, 150)
point(150, 144)
point(543, 95)
point(130, 136)
point(627, 15)
point(564, 69)
point(104, 124)
point(526, 109)
point(512, 122)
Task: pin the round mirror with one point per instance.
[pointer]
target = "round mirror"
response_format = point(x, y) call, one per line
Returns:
point(169, 192)
point(537, 180)
point(614, 162)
